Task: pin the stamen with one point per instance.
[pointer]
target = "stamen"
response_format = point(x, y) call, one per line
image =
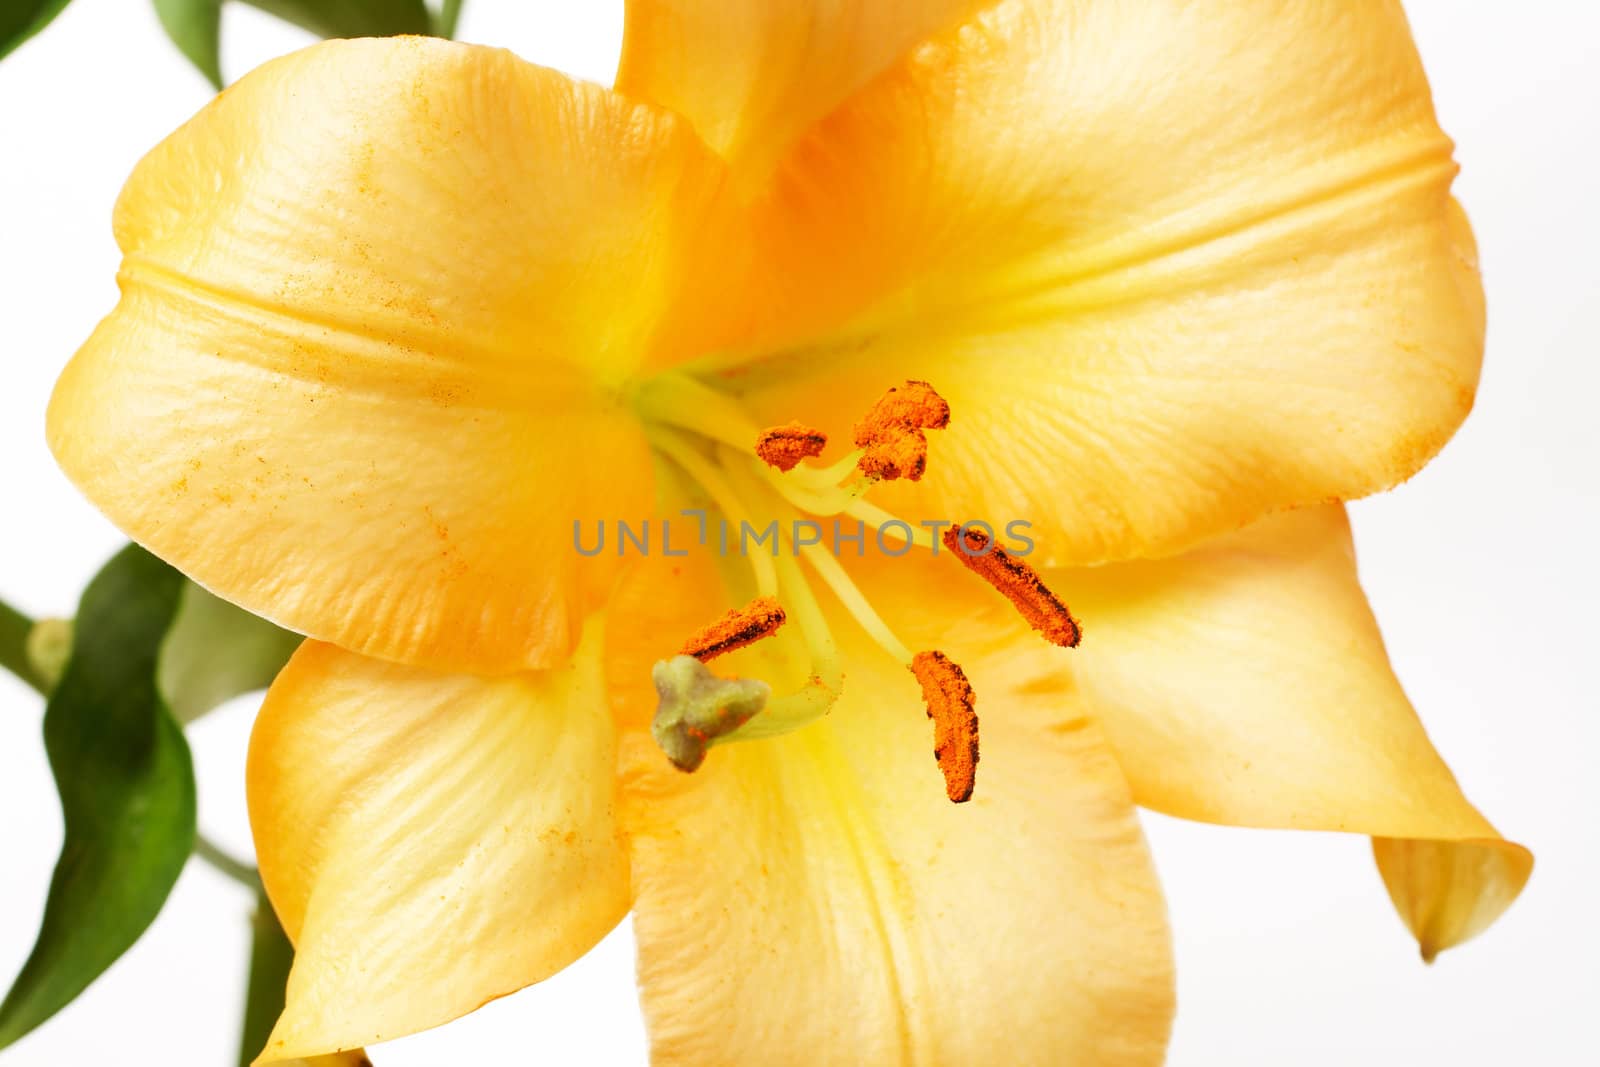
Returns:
point(738, 628)
point(703, 471)
point(678, 400)
point(832, 500)
point(821, 689)
point(696, 707)
point(1019, 582)
point(846, 500)
point(950, 700)
point(902, 531)
point(784, 447)
point(854, 602)
point(891, 433)
point(825, 682)
point(831, 475)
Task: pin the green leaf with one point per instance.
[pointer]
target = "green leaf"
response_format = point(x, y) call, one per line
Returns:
point(352, 18)
point(127, 789)
point(215, 652)
point(195, 26)
point(21, 19)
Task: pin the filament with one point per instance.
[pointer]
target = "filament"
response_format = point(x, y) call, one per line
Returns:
point(854, 602)
point(706, 474)
point(681, 401)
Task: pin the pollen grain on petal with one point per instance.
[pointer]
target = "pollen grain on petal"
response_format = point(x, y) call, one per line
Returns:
point(738, 628)
point(891, 433)
point(1019, 582)
point(785, 446)
point(950, 701)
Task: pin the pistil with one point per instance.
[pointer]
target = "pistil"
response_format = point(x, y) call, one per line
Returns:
point(823, 685)
point(695, 708)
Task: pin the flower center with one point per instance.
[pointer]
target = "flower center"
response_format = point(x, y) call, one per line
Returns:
point(751, 473)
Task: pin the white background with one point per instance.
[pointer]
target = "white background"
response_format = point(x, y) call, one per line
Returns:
point(1482, 570)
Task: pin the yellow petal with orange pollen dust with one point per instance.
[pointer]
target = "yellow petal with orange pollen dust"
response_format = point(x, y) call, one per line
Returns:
point(753, 76)
point(430, 841)
point(378, 302)
point(1246, 683)
point(1173, 265)
point(816, 899)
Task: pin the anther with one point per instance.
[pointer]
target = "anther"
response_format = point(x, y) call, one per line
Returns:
point(892, 431)
point(1019, 582)
point(738, 628)
point(784, 447)
point(950, 700)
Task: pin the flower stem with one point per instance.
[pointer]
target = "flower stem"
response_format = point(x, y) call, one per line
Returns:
point(14, 630)
point(449, 15)
point(241, 872)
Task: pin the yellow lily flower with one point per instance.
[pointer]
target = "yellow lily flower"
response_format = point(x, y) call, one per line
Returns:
point(397, 314)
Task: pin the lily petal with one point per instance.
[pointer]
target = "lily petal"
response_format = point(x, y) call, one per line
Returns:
point(429, 841)
point(752, 77)
point(1450, 891)
point(1175, 265)
point(378, 299)
point(816, 899)
point(1246, 683)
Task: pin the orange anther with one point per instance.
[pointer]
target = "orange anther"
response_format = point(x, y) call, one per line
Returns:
point(950, 701)
point(1019, 582)
point(892, 431)
point(784, 447)
point(738, 628)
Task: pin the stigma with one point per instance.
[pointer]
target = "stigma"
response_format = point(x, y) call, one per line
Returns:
point(696, 707)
